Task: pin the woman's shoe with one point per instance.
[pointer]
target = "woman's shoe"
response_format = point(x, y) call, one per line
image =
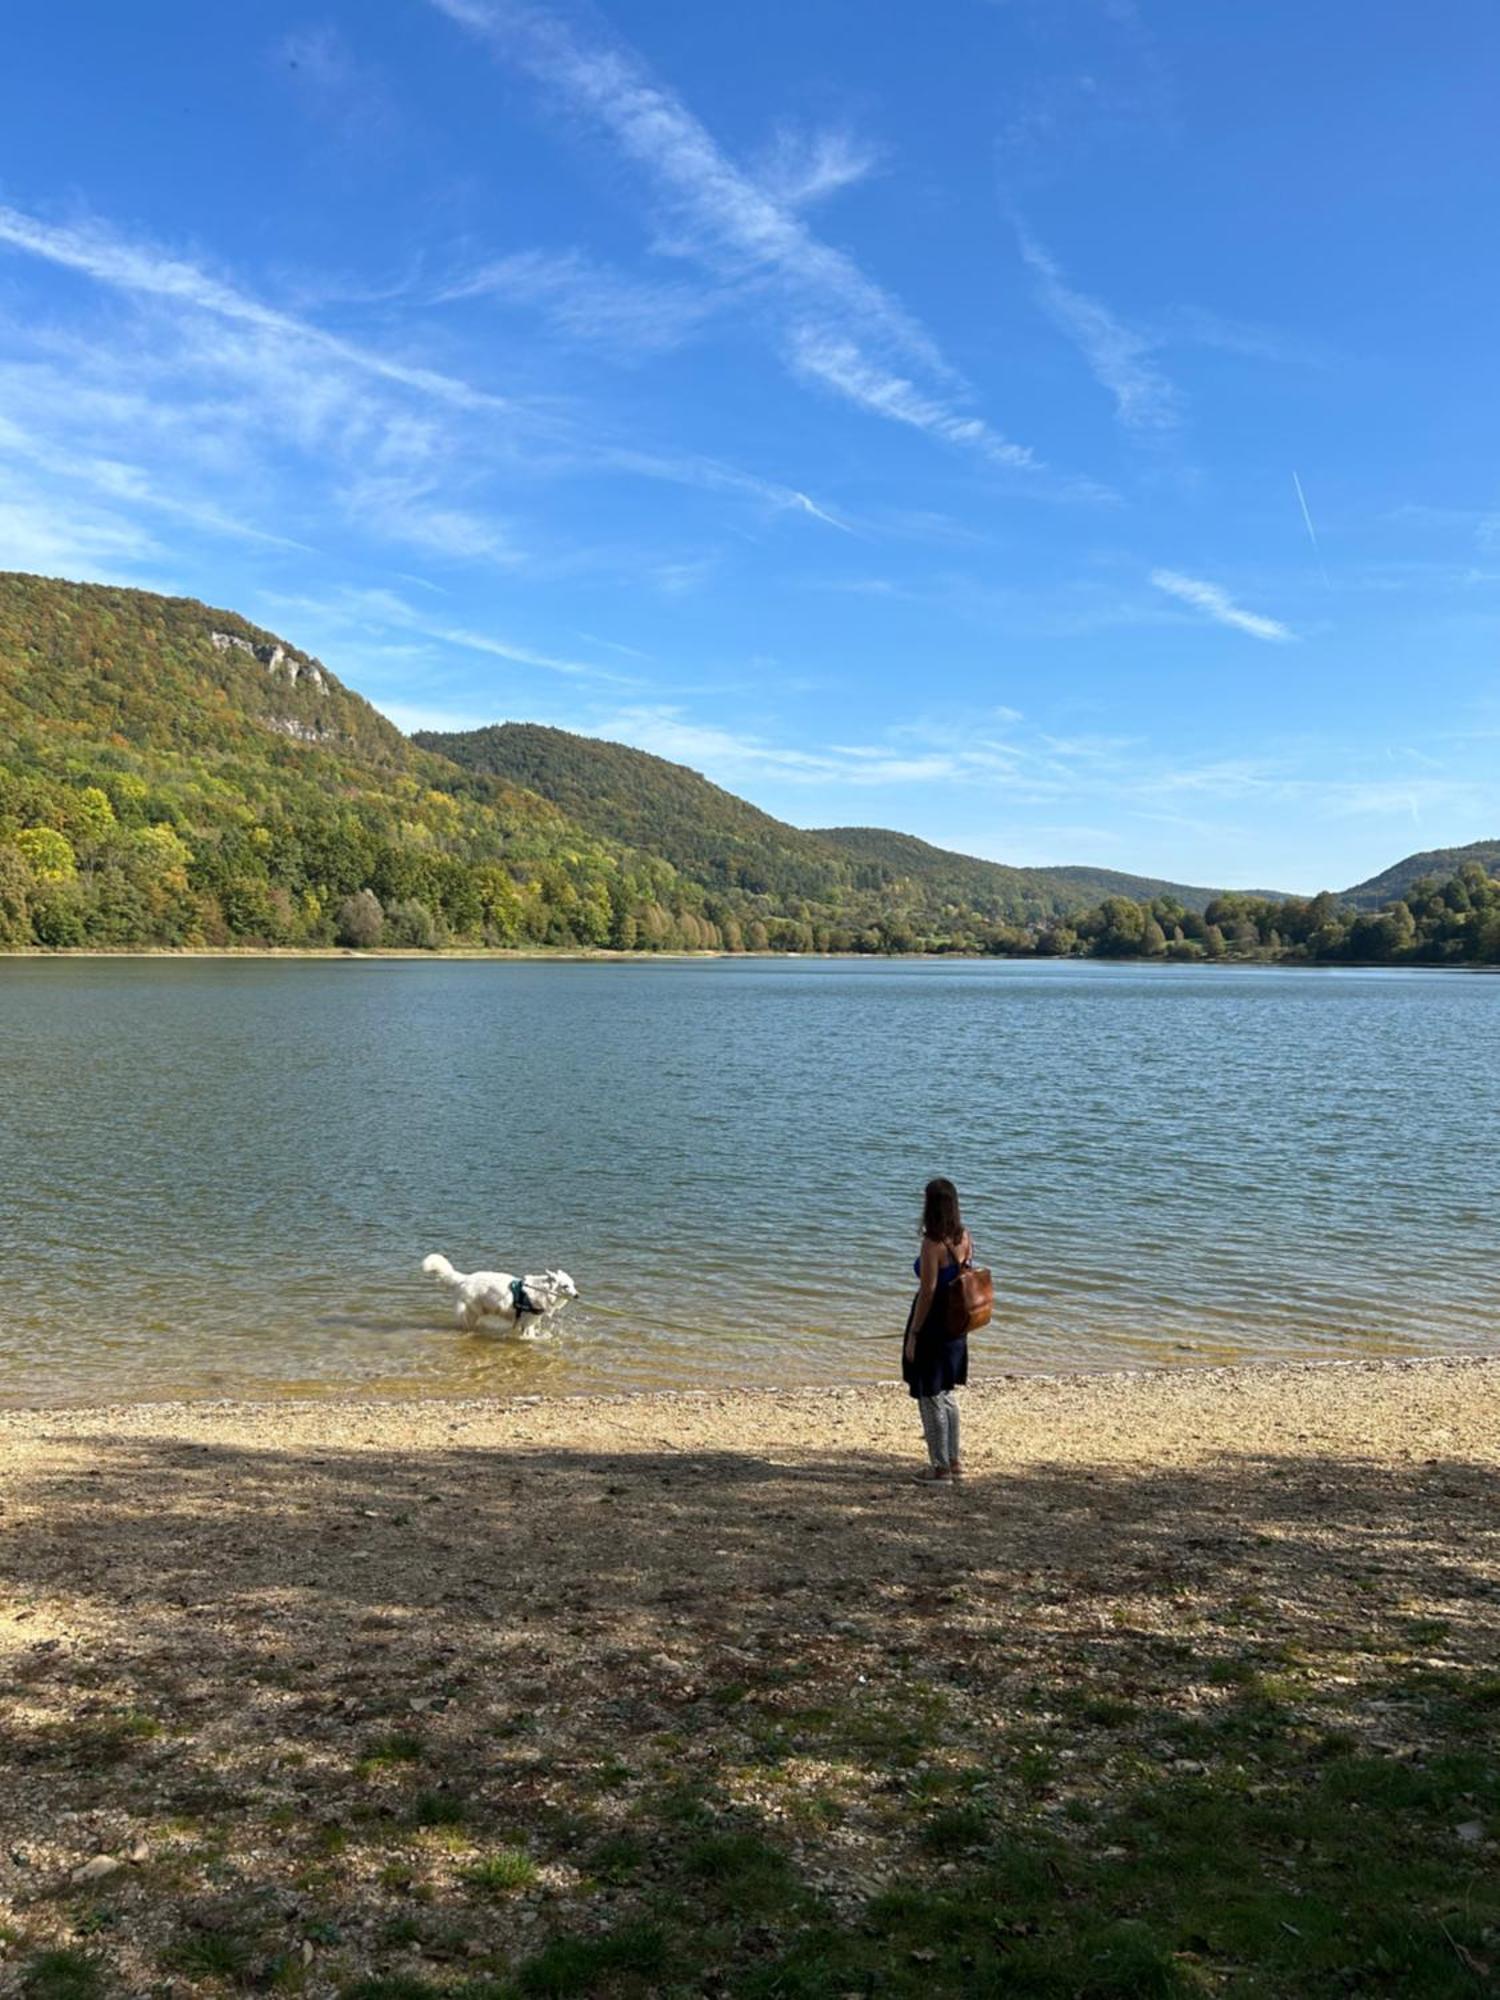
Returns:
point(930, 1475)
point(955, 1470)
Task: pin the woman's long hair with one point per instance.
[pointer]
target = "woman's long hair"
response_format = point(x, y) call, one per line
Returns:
point(940, 1217)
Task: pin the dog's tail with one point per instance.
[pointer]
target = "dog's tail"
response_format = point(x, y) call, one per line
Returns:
point(440, 1268)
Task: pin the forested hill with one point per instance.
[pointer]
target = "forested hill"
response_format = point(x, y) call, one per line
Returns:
point(965, 878)
point(646, 802)
point(172, 775)
point(724, 843)
point(164, 674)
point(1436, 864)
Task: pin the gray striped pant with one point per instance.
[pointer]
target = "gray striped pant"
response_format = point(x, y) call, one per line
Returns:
point(940, 1426)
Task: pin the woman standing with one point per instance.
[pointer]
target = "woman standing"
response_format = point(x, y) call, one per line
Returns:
point(933, 1363)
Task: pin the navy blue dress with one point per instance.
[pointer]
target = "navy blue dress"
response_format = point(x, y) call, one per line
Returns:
point(938, 1363)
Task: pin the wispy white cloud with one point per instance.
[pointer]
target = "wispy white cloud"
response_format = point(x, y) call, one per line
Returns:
point(361, 614)
point(144, 271)
point(799, 169)
point(53, 538)
point(412, 509)
point(719, 213)
point(114, 479)
point(414, 715)
point(1196, 326)
point(1217, 604)
point(834, 323)
point(1119, 357)
point(591, 302)
point(690, 469)
point(209, 389)
point(734, 756)
point(840, 364)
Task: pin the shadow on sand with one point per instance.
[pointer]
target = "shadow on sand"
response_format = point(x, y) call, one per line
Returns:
point(508, 1722)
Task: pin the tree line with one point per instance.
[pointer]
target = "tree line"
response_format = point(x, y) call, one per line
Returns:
point(199, 859)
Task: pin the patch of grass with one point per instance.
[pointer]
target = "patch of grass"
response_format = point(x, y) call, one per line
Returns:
point(613, 1776)
point(213, 1954)
point(62, 1975)
point(956, 1830)
point(1037, 1770)
point(741, 1871)
point(405, 1929)
point(681, 1806)
point(411, 1986)
point(439, 1809)
point(635, 1955)
point(401, 1987)
point(1106, 1712)
point(1427, 1631)
point(617, 1858)
point(400, 1747)
point(890, 1735)
point(814, 1811)
point(1238, 1672)
point(102, 1742)
point(503, 1872)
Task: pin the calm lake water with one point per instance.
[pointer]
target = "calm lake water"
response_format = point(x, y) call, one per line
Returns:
point(220, 1178)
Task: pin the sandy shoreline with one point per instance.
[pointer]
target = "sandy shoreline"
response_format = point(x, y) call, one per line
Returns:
point(419, 1692)
point(1156, 1406)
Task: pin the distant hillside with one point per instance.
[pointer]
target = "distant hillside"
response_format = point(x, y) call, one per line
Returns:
point(172, 774)
point(85, 661)
point(725, 844)
point(646, 802)
point(964, 877)
point(1438, 862)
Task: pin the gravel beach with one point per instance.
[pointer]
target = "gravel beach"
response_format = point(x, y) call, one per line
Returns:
point(280, 1682)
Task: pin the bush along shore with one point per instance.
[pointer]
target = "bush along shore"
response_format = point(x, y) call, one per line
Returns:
point(1189, 1690)
point(1453, 923)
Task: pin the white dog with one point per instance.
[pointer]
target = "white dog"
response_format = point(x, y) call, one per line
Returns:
point(515, 1302)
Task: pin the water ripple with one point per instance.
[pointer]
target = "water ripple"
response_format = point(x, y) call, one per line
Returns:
point(219, 1177)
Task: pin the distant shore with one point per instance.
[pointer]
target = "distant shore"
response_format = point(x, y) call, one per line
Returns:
point(564, 954)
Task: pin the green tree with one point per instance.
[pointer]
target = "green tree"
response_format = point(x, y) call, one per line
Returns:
point(15, 893)
point(1120, 930)
point(360, 921)
point(411, 926)
point(48, 853)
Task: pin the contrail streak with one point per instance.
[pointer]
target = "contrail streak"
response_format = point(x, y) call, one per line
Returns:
point(1312, 533)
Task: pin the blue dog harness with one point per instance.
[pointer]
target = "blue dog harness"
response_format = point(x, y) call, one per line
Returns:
point(520, 1300)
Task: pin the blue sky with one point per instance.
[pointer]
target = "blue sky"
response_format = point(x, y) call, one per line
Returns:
point(1064, 429)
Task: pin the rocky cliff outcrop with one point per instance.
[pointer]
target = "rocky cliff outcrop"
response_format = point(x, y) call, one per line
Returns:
point(274, 658)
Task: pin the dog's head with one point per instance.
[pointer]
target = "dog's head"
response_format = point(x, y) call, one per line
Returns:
point(557, 1288)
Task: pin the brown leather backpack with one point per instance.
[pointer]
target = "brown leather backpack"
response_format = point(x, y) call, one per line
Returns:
point(970, 1299)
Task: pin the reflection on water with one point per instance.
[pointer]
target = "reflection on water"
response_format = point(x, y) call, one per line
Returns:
point(220, 1177)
